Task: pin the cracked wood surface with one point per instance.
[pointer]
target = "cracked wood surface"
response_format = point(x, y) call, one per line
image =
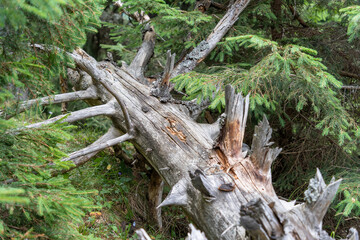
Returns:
point(226, 192)
point(182, 152)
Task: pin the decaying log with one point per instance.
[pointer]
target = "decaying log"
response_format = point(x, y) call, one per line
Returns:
point(221, 188)
point(224, 187)
point(161, 87)
point(195, 234)
point(142, 234)
point(234, 130)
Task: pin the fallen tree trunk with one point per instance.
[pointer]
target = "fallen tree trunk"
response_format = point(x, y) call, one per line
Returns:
point(226, 192)
point(225, 189)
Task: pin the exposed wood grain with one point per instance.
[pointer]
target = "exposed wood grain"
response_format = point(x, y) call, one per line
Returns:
point(155, 197)
point(182, 151)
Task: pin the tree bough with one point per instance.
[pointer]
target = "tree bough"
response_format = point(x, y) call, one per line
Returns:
point(226, 192)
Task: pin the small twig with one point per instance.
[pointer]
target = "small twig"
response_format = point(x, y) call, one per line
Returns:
point(226, 230)
point(349, 74)
point(351, 87)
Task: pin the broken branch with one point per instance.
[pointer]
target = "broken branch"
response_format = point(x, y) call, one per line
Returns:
point(90, 93)
point(106, 109)
point(98, 147)
point(112, 133)
point(142, 58)
point(236, 111)
point(88, 64)
point(199, 53)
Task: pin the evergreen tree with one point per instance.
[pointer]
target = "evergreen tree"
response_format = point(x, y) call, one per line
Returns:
point(34, 203)
point(282, 53)
point(293, 80)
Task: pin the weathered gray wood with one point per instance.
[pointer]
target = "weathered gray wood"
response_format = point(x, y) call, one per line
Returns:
point(60, 98)
point(226, 192)
point(234, 130)
point(98, 147)
point(182, 151)
point(155, 193)
point(195, 234)
point(142, 234)
point(106, 110)
point(177, 196)
point(112, 133)
point(199, 53)
point(318, 197)
point(138, 65)
point(161, 87)
point(262, 155)
point(353, 234)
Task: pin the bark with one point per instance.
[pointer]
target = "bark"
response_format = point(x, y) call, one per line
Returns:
point(298, 17)
point(155, 197)
point(224, 187)
point(226, 192)
point(349, 74)
point(138, 65)
point(276, 29)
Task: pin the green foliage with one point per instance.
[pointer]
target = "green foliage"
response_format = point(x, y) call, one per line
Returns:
point(350, 203)
point(286, 80)
point(353, 13)
point(11, 195)
point(287, 76)
point(60, 23)
point(34, 202)
point(173, 27)
point(324, 11)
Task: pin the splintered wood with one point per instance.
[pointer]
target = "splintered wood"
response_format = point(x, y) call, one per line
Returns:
point(174, 131)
